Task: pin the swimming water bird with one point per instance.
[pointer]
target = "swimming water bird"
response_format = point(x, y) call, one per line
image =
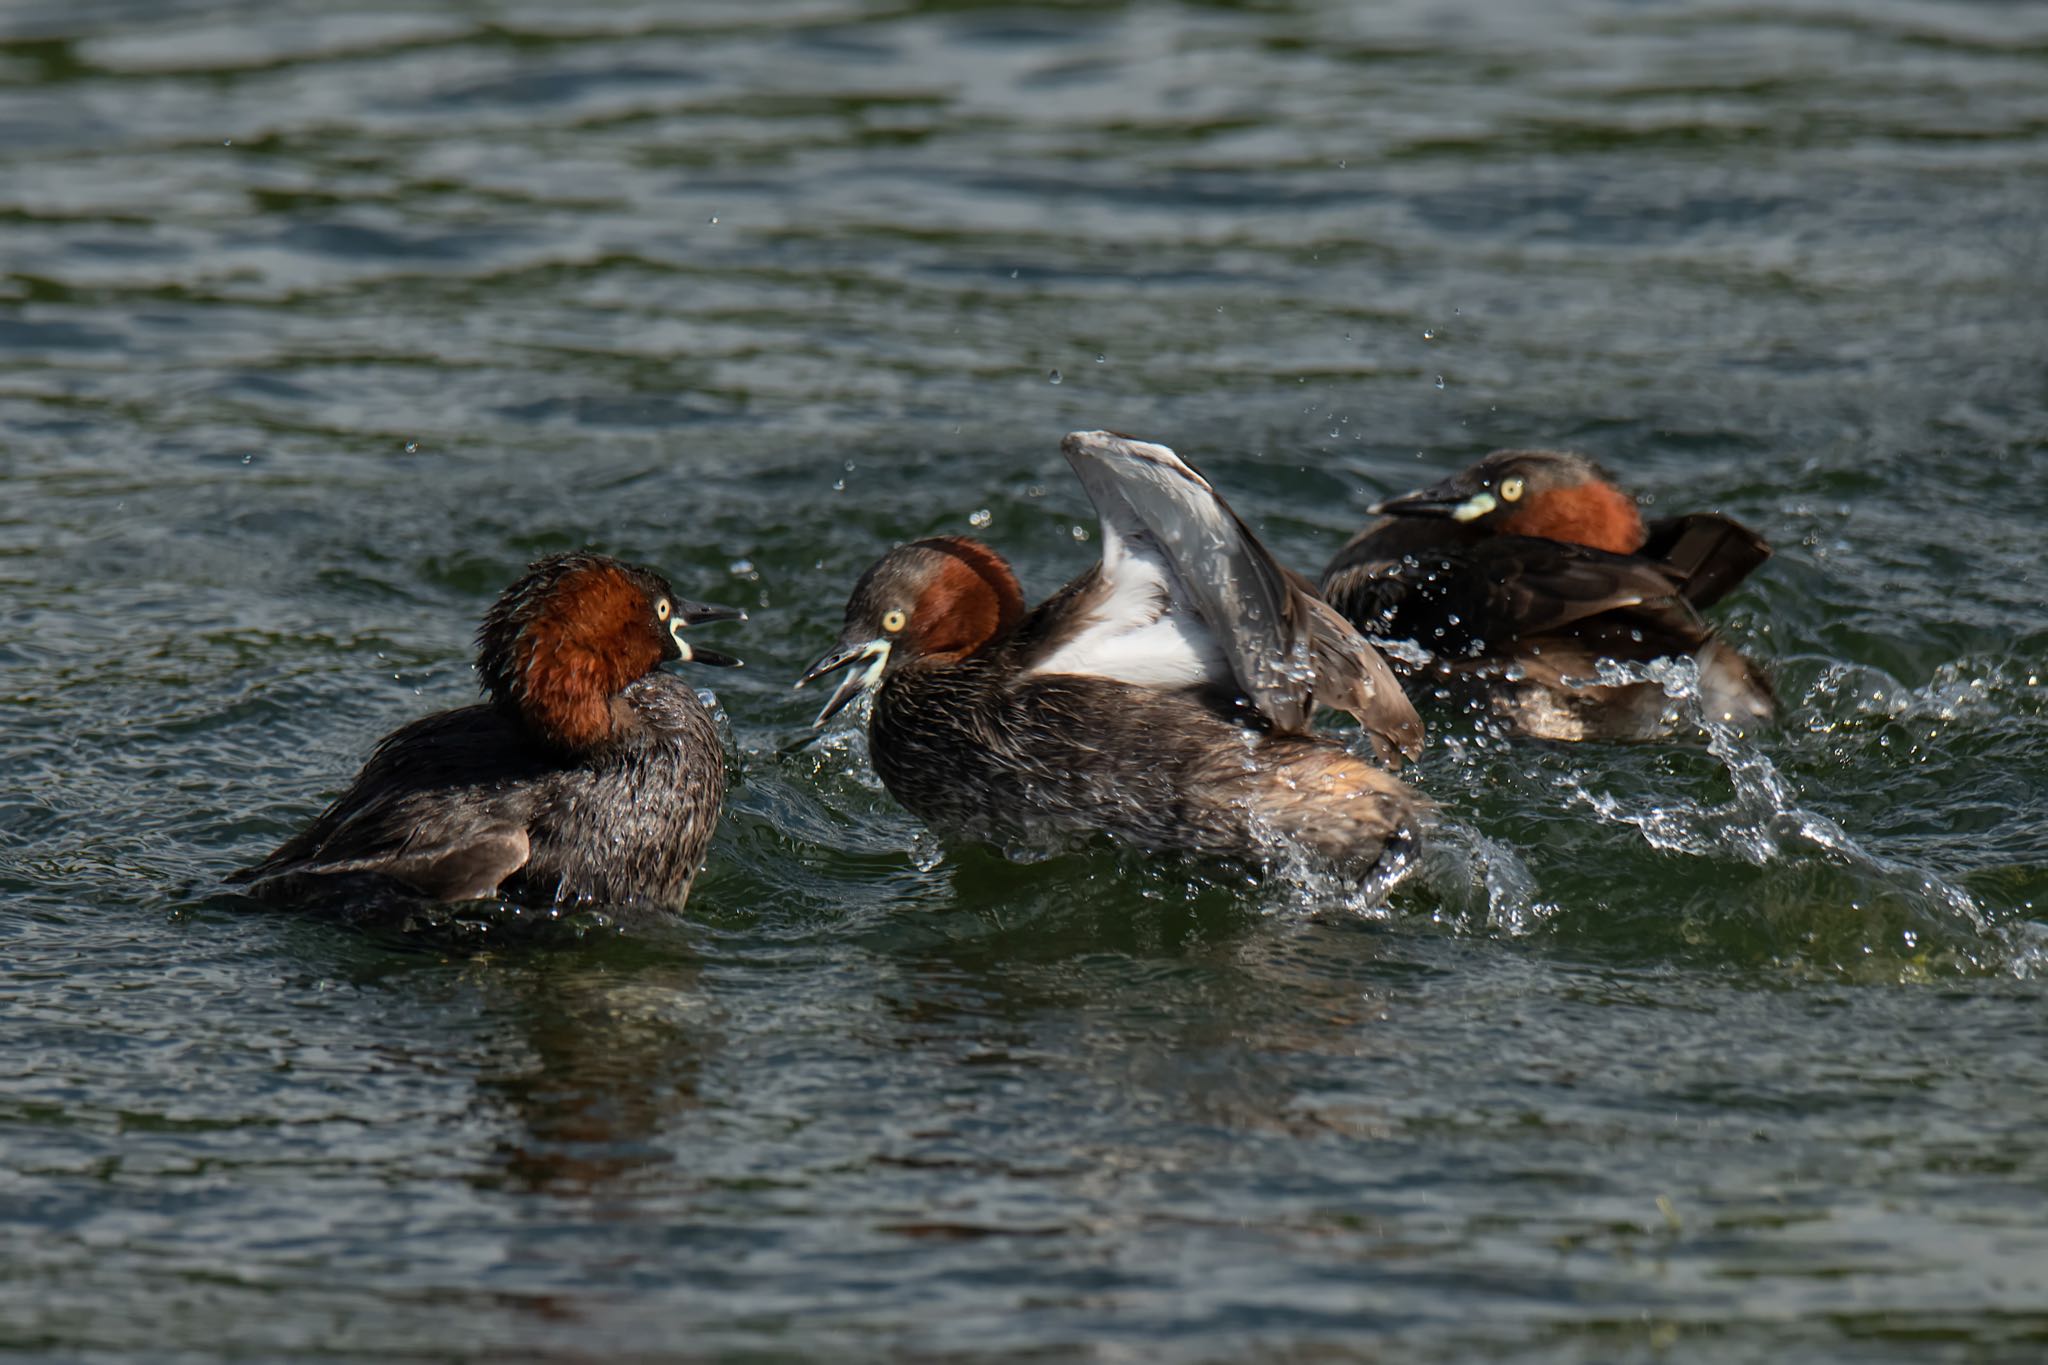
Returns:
point(1521, 575)
point(1163, 696)
point(587, 776)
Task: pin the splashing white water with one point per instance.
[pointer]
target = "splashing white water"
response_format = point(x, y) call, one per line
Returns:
point(1481, 883)
point(1763, 821)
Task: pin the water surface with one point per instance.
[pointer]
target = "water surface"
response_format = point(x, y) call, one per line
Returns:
point(318, 320)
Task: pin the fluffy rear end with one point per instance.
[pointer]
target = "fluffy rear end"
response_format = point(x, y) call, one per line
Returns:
point(1339, 808)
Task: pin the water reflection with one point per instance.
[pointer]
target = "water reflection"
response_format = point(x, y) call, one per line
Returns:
point(600, 1064)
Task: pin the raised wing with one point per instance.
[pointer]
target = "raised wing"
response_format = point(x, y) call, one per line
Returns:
point(1186, 592)
point(1351, 676)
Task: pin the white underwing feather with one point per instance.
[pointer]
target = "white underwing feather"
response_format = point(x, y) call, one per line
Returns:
point(1134, 632)
point(1187, 594)
point(1164, 525)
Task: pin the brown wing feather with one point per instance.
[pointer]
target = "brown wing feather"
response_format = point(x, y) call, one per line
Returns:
point(1351, 676)
point(470, 868)
point(398, 819)
point(1489, 592)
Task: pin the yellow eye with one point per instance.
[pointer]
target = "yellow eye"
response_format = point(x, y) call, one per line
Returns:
point(1510, 489)
point(893, 622)
point(662, 610)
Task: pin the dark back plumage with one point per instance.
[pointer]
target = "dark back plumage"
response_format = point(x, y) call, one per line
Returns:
point(1528, 618)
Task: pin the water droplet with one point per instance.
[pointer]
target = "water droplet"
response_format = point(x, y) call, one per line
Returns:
point(838, 485)
point(1429, 334)
point(1342, 166)
point(412, 447)
point(1100, 358)
point(1013, 274)
point(1439, 381)
point(248, 459)
point(1054, 377)
point(714, 220)
point(742, 568)
point(227, 142)
point(980, 516)
point(1080, 533)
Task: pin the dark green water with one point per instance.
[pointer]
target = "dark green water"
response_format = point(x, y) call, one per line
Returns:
point(318, 320)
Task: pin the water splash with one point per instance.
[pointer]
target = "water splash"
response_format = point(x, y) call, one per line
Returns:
point(927, 851)
point(1295, 883)
point(1764, 823)
point(1481, 884)
point(841, 749)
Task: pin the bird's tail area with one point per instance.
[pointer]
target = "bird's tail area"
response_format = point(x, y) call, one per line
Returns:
point(1344, 812)
point(1706, 553)
point(1734, 691)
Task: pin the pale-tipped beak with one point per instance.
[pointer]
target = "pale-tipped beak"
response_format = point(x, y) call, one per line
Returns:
point(1444, 500)
point(697, 614)
point(873, 653)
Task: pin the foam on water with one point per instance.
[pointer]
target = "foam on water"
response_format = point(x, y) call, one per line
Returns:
point(1764, 821)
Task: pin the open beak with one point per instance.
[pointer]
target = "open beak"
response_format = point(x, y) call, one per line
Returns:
point(697, 614)
point(873, 653)
point(1456, 499)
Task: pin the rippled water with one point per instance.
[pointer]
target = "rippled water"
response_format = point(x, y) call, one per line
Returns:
point(319, 319)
